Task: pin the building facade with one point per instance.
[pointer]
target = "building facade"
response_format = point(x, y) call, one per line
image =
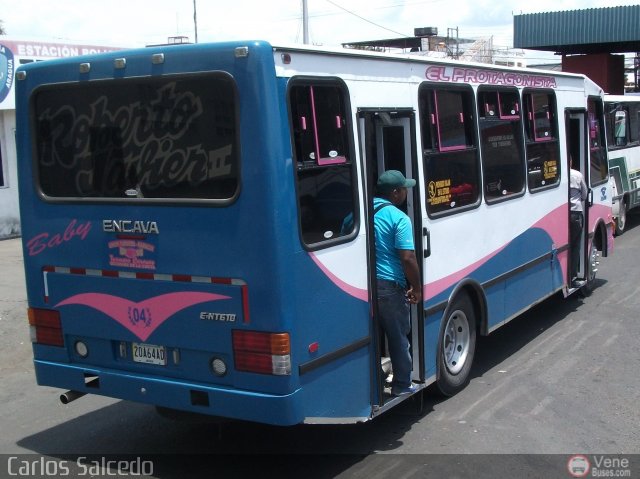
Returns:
point(13, 53)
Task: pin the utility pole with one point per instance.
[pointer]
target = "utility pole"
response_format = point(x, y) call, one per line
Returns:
point(195, 20)
point(305, 23)
point(450, 31)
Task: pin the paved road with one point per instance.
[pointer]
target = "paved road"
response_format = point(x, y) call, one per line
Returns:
point(560, 380)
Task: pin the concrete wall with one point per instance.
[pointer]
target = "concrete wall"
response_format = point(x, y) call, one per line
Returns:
point(9, 210)
point(605, 69)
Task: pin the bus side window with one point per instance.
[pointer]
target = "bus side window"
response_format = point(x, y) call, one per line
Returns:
point(623, 124)
point(452, 172)
point(542, 146)
point(324, 167)
point(620, 128)
point(632, 111)
point(509, 105)
point(501, 144)
point(599, 168)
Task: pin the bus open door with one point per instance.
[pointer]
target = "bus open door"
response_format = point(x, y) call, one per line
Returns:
point(586, 145)
point(386, 144)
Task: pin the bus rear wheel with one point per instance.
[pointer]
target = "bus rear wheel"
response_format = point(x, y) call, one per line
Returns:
point(456, 346)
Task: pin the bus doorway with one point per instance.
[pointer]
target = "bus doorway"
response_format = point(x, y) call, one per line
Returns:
point(576, 126)
point(386, 144)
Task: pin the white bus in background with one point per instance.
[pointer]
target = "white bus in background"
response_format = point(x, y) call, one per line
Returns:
point(622, 114)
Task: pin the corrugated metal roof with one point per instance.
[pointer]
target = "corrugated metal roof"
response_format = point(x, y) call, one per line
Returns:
point(613, 29)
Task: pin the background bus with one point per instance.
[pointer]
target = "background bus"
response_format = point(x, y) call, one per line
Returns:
point(183, 211)
point(622, 114)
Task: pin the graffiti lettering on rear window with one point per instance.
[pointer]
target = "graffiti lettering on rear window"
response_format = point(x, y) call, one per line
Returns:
point(139, 139)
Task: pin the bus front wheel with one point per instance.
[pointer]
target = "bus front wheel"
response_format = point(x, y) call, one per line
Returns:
point(592, 268)
point(621, 220)
point(456, 346)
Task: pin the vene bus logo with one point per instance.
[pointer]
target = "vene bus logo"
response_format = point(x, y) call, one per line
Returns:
point(578, 466)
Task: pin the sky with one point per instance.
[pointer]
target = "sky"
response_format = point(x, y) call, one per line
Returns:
point(135, 23)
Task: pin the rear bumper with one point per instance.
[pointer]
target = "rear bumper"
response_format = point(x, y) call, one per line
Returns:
point(200, 398)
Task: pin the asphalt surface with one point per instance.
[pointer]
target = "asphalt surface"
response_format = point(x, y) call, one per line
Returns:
point(562, 379)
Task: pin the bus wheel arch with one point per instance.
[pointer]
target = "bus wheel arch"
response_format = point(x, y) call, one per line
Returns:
point(462, 321)
point(599, 239)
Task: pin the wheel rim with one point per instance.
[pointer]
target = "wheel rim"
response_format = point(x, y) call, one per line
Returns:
point(622, 216)
point(456, 341)
point(593, 263)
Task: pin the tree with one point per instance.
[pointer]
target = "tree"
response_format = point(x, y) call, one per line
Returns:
point(2, 32)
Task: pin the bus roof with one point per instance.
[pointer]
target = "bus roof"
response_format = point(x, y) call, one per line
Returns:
point(411, 58)
point(414, 57)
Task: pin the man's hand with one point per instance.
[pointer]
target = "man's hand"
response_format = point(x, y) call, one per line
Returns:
point(411, 271)
point(414, 295)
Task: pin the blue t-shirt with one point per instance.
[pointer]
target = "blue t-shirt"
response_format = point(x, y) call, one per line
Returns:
point(393, 232)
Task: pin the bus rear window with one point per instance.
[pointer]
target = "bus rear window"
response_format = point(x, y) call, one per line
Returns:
point(156, 138)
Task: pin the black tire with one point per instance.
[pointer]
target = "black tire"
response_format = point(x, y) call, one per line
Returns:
point(592, 268)
point(621, 221)
point(456, 346)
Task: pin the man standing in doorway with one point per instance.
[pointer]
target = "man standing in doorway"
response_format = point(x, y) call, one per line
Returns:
point(396, 263)
point(577, 194)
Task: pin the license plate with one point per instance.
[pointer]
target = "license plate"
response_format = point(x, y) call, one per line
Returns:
point(149, 354)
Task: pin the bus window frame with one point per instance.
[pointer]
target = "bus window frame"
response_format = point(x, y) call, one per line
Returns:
point(542, 140)
point(349, 127)
point(521, 141)
point(424, 121)
point(632, 109)
point(203, 202)
point(625, 119)
point(603, 140)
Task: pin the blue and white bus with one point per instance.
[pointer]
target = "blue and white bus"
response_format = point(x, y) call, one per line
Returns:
point(183, 211)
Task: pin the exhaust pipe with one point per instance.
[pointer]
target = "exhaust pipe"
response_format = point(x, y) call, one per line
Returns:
point(90, 381)
point(69, 396)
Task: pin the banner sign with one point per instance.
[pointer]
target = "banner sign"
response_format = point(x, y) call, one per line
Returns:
point(15, 52)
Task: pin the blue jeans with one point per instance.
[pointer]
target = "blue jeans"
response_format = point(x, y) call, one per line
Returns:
point(395, 319)
point(575, 227)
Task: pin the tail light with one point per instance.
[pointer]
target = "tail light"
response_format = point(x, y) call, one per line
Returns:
point(264, 353)
point(46, 327)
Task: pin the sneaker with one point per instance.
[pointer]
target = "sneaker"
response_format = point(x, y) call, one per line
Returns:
point(578, 283)
point(396, 391)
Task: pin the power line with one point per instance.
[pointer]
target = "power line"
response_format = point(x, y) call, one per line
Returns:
point(364, 19)
point(383, 7)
